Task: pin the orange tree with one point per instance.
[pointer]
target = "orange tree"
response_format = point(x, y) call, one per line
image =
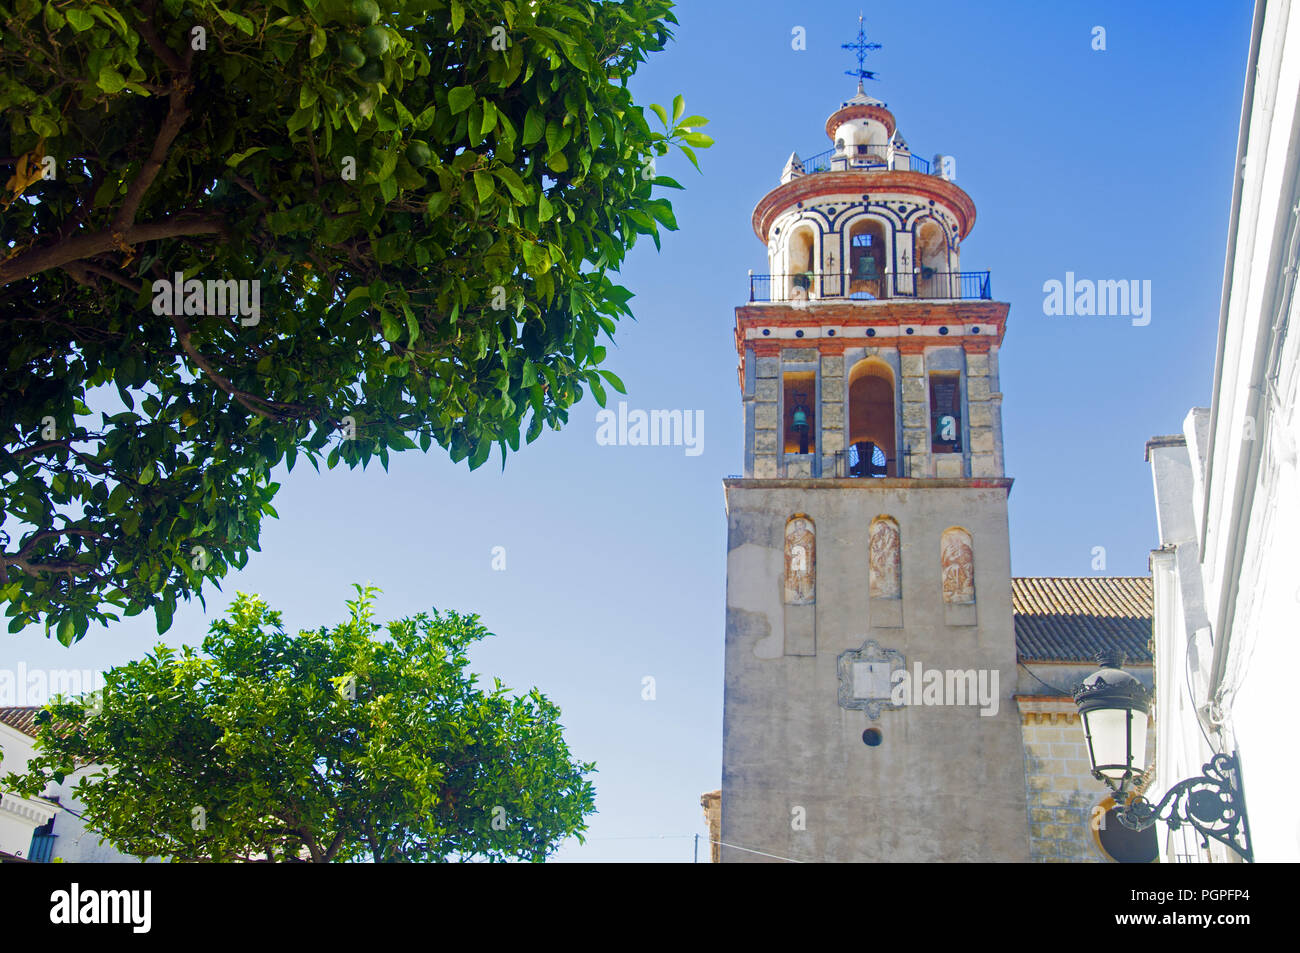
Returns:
point(358, 742)
point(248, 232)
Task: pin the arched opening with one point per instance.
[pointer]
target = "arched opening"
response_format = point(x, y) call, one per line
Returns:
point(800, 262)
point(867, 259)
point(931, 256)
point(800, 431)
point(872, 448)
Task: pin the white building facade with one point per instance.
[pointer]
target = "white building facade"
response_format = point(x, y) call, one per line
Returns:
point(49, 828)
point(1226, 575)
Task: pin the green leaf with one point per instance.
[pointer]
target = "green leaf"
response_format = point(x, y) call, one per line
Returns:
point(679, 107)
point(239, 157)
point(663, 212)
point(661, 113)
point(457, 16)
point(483, 185)
point(110, 80)
point(534, 127)
point(80, 19)
point(614, 381)
point(163, 615)
point(392, 329)
point(460, 98)
point(515, 184)
point(317, 45)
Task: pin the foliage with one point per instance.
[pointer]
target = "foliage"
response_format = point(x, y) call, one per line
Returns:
point(340, 744)
point(432, 197)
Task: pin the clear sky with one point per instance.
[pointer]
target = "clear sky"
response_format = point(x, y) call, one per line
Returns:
point(1111, 165)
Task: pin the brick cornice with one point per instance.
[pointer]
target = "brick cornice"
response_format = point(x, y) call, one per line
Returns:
point(860, 111)
point(877, 313)
point(859, 182)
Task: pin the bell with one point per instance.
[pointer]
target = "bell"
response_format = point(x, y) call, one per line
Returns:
point(800, 418)
point(865, 270)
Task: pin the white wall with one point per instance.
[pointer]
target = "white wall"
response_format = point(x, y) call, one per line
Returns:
point(1238, 488)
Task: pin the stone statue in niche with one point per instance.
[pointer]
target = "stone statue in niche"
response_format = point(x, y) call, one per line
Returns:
point(957, 559)
point(800, 562)
point(885, 559)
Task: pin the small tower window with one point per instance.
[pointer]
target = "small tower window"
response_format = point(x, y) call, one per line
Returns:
point(800, 415)
point(945, 412)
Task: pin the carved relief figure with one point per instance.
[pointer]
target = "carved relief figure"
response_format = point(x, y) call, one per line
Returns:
point(958, 561)
point(800, 561)
point(885, 558)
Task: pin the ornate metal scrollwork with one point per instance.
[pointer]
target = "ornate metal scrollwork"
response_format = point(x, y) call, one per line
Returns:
point(871, 651)
point(1211, 803)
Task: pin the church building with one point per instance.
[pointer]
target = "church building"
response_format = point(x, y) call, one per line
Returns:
point(891, 692)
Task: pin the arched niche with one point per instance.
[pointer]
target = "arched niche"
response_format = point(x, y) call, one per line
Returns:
point(885, 559)
point(800, 561)
point(957, 562)
point(872, 442)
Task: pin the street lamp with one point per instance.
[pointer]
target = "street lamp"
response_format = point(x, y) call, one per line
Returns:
point(1114, 708)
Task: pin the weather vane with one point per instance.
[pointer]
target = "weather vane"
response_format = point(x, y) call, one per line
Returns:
point(862, 47)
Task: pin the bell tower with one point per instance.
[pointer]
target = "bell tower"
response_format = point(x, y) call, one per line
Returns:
point(870, 653)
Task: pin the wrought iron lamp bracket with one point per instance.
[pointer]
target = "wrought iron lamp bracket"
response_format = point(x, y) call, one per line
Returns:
point(1211, 803)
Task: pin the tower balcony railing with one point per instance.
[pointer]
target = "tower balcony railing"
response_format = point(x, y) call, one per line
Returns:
point(881, 157)
point(856, 286)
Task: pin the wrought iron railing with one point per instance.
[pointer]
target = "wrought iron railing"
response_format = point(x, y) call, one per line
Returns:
point(843, 464)
point(940, 285)
point(868, 157)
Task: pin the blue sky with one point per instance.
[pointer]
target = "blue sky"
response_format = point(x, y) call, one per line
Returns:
point(1114, 164)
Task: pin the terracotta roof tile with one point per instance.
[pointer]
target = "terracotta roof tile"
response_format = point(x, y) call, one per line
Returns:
point(22, 717)
point(1072, 618)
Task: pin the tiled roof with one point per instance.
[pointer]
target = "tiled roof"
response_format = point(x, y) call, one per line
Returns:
point(1072, 618)
point(21, 717)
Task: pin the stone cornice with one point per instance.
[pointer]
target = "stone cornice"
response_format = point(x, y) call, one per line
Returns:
point(31, 810)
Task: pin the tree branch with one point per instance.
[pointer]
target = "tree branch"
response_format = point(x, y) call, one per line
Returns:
point(37, 260)
point(269, 409)
point(177, 112)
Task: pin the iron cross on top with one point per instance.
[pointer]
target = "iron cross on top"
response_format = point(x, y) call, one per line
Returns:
point(861, 47)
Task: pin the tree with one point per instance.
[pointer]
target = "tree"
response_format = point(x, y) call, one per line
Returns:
point(339, 744)
point(248, 231)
